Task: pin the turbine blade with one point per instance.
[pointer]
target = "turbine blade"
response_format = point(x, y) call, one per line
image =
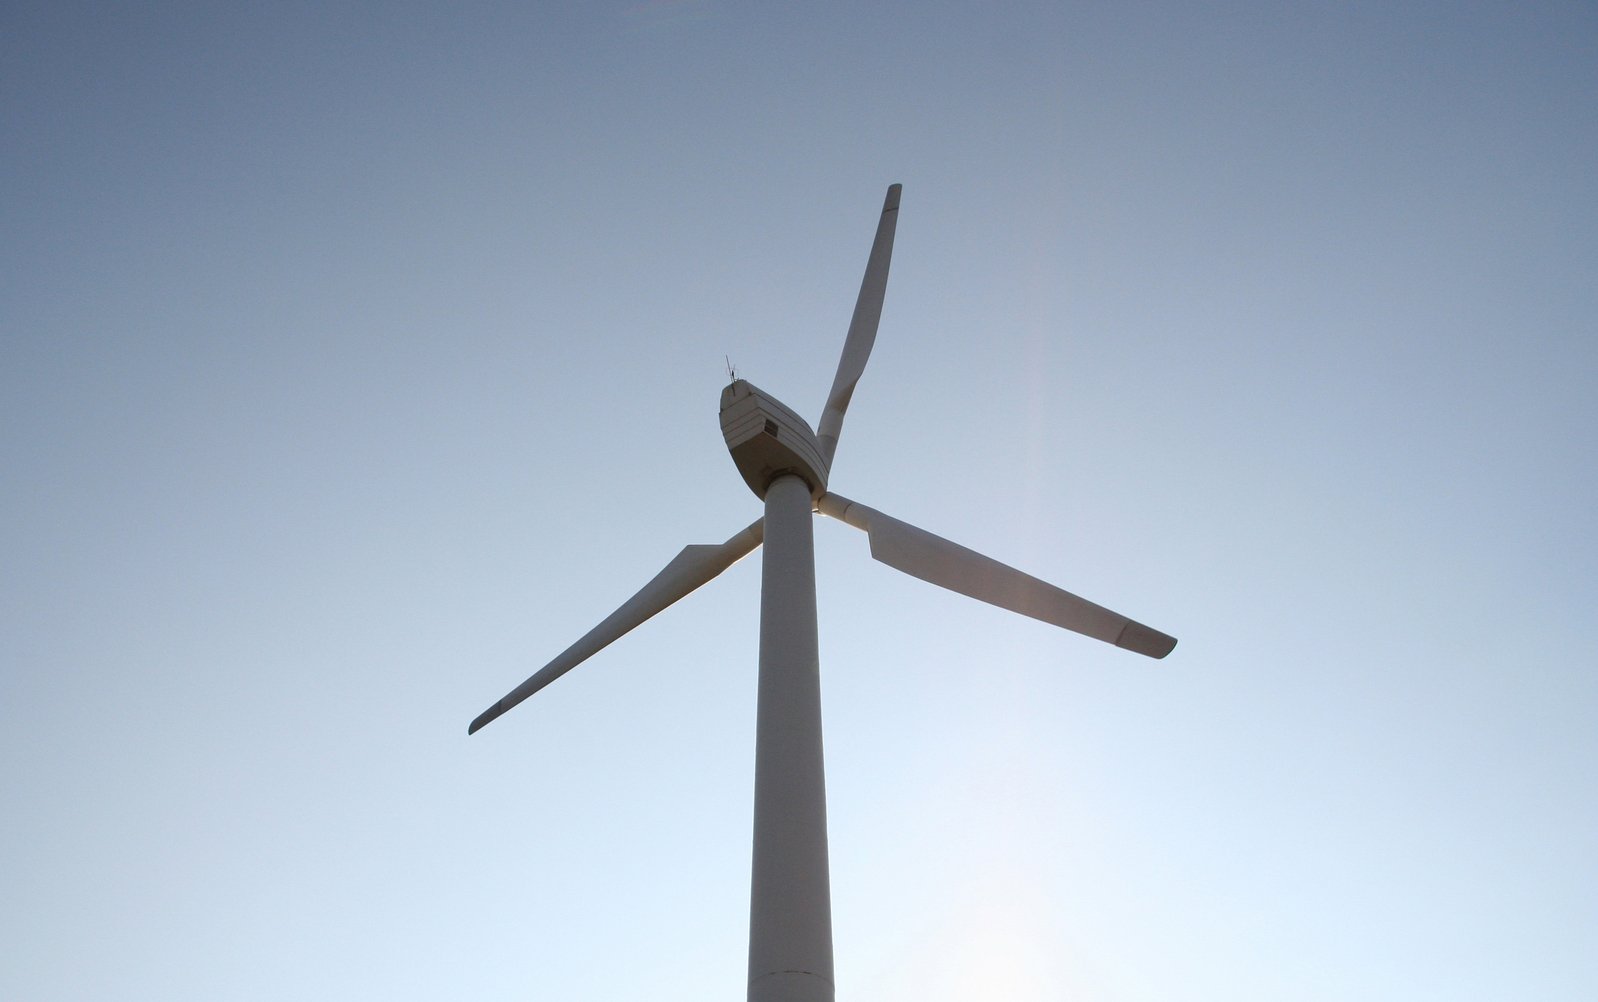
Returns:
point(691, 568)
point(862, 327)
point(949, 565)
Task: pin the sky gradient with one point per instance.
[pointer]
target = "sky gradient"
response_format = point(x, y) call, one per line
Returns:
point(356, 361)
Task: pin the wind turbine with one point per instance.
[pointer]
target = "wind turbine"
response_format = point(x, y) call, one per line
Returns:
point(786, 465)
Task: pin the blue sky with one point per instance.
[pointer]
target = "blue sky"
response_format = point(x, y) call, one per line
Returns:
point(355, 361)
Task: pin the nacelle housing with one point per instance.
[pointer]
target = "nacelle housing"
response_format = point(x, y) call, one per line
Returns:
point(767, 440)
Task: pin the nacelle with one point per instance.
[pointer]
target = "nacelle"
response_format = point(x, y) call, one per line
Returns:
point(767, 440)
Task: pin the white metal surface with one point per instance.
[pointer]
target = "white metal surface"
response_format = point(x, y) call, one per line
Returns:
point(690, 568)
point(862, 326)
point(768, 439)
point(946, 564)
point(790, 910)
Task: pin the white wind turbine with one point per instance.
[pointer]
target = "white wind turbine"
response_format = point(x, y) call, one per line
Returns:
point(790, 920)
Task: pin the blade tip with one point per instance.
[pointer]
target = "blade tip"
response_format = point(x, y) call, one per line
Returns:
point(483, 720)
point(1145, 640)
point(892, 201)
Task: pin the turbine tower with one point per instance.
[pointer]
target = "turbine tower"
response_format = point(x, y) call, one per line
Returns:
point(786, 465)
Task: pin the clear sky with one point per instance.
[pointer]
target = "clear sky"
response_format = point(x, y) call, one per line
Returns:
point(358, 358)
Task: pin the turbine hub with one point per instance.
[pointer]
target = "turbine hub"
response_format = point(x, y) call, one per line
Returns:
point(767, 440)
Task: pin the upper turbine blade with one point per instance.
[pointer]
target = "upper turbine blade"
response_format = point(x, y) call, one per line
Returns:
point(862, 328)
point(949, 565)
point(691, 568)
